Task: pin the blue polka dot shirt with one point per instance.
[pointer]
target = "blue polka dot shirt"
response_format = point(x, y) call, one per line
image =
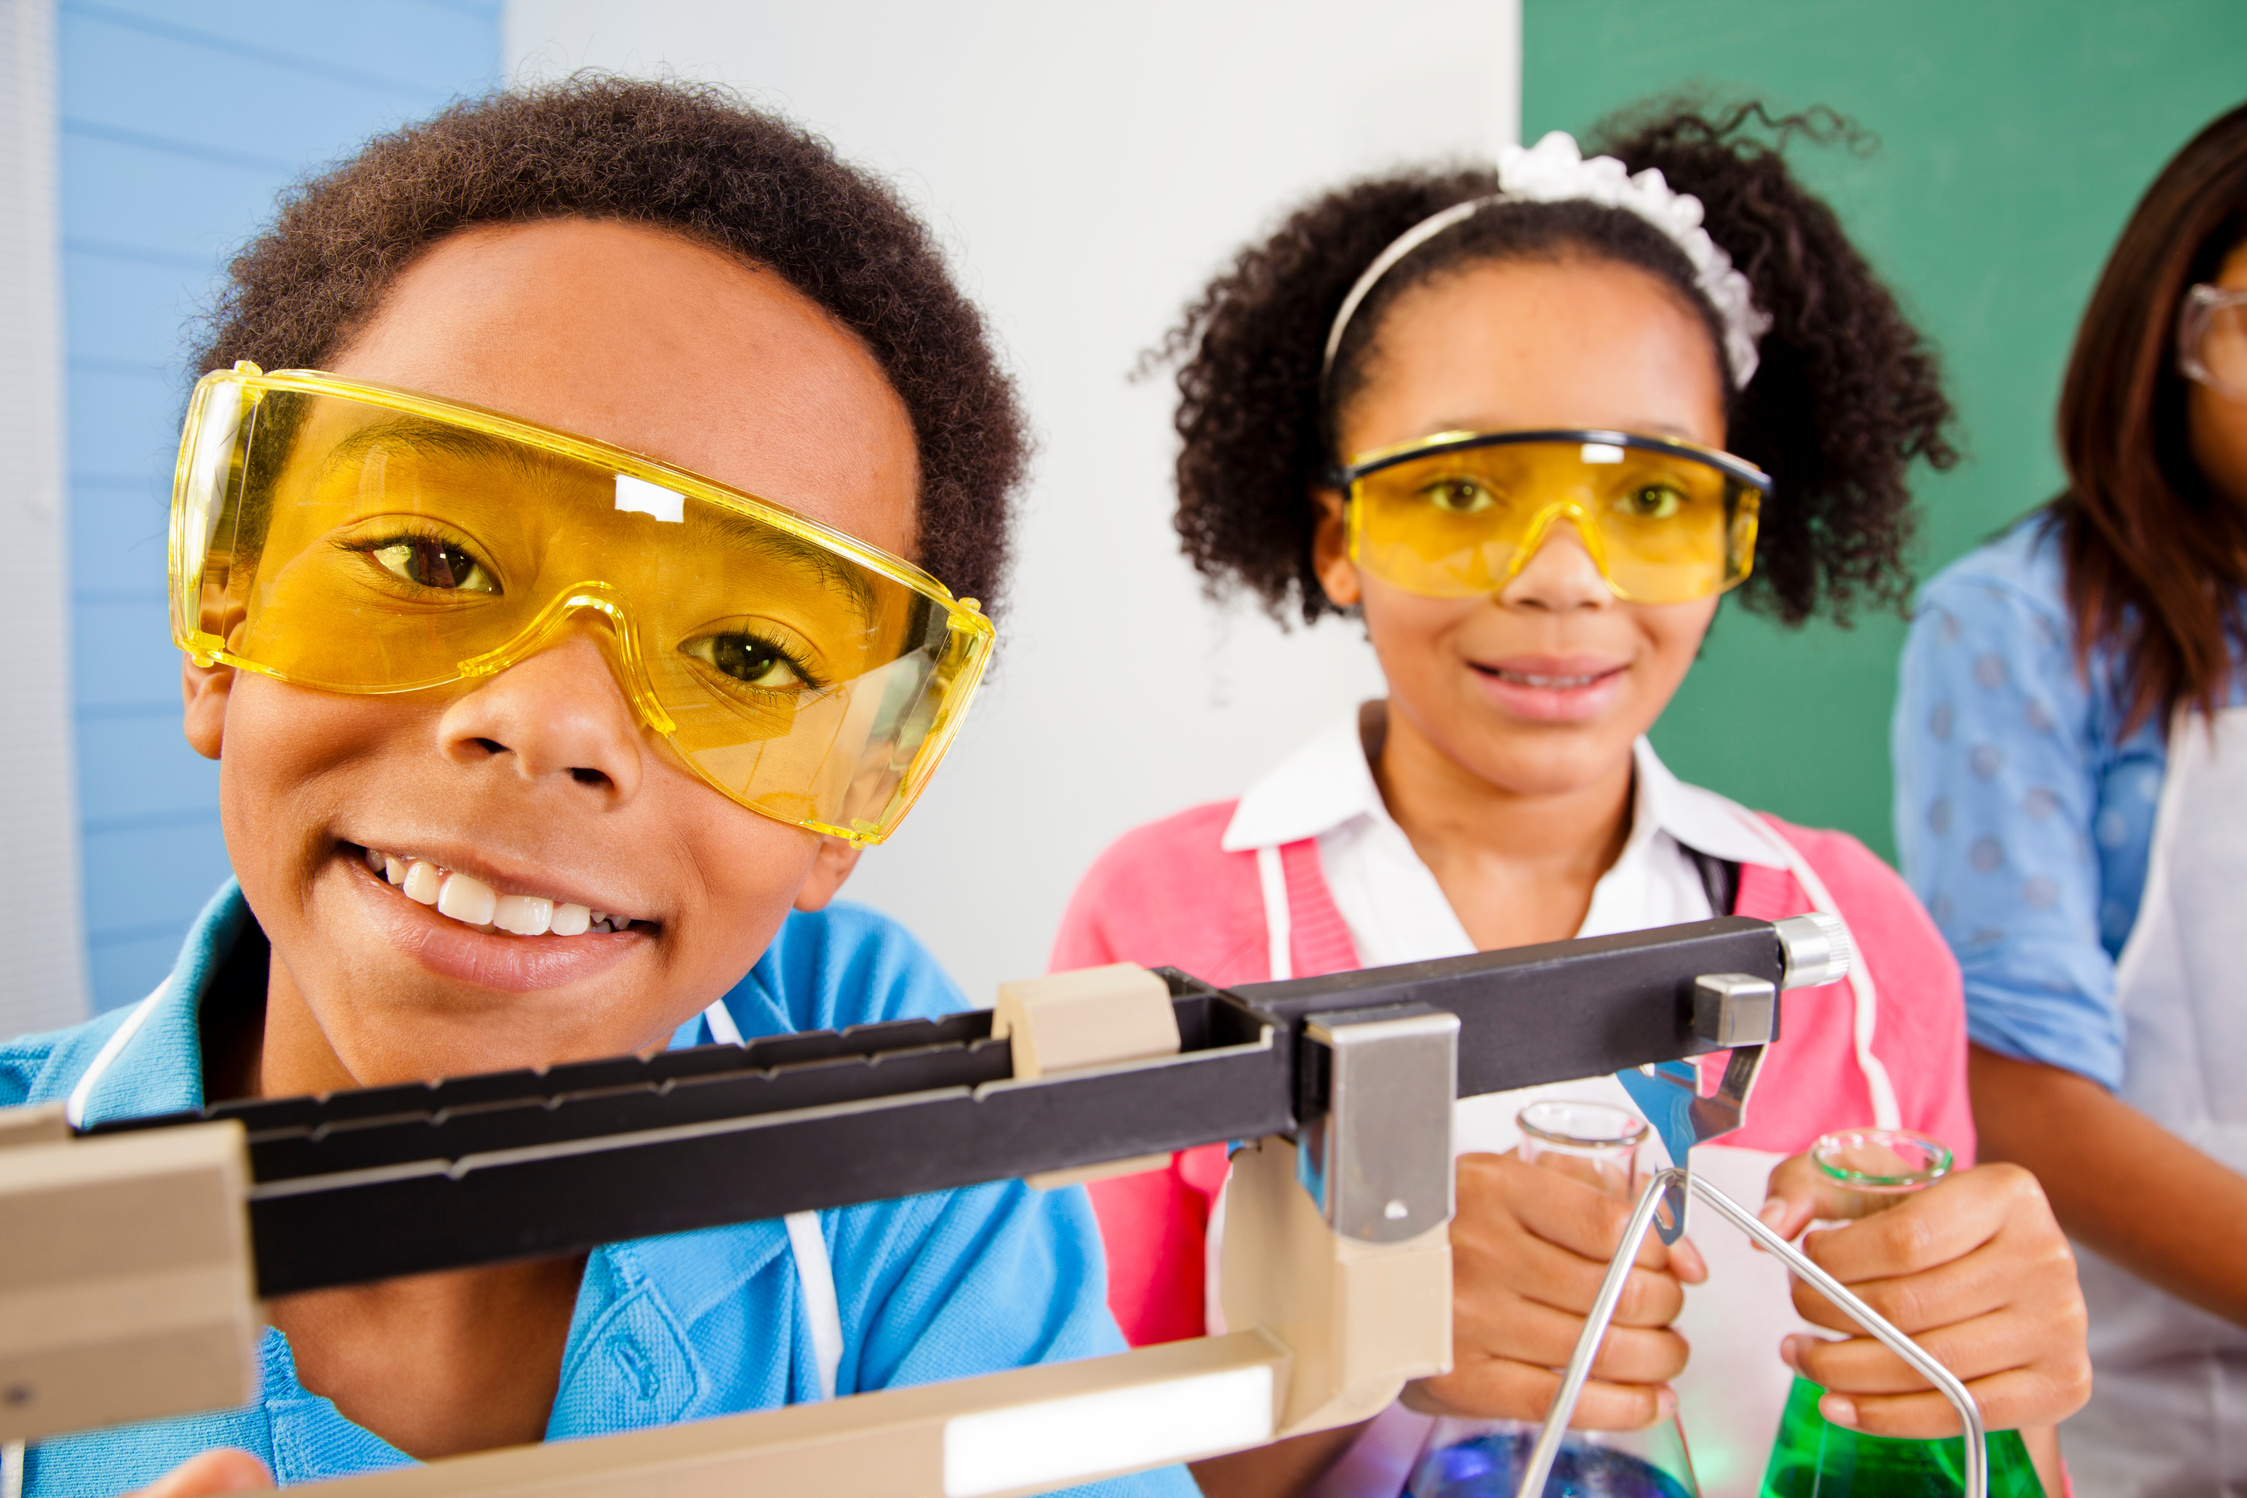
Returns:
point(2023, 812)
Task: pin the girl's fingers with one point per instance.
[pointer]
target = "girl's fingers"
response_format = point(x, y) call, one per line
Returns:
point(1947, 1221)
point(1530, 1333)
point(1550, 1276)
point(1960, 1290)
point(2008, 1401)
point(1791, 1199)
point(1495, 1249)
point(1501, 1389)
point(1981, 1348)
point(1569, 1213)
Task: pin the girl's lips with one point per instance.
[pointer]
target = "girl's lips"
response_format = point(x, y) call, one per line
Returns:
point(493, 960)
point(1559, 690)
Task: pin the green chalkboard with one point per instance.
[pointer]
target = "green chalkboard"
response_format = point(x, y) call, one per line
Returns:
point(2014, 136)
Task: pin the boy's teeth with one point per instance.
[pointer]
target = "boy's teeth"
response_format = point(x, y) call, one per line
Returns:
point(472, 902)
point(525, 915)
point(421, 882)
point(467, 899)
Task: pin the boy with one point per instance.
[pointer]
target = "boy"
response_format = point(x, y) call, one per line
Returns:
point(536, 736)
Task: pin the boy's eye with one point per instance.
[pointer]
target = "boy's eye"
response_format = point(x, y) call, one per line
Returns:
point(427, 562)
point(1651, 502)
point(748, 660)
point(1459, 496)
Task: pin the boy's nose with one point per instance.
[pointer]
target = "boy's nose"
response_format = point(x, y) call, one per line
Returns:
point(1560, 576)
point(559, 713)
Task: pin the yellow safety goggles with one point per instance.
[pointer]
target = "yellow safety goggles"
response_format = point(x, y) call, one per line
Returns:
point(1458, 514)
point(358, 538)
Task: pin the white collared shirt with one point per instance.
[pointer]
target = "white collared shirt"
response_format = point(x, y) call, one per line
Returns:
point(1390, 900)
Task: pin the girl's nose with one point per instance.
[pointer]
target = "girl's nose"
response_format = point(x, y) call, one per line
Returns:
point(1560, 576)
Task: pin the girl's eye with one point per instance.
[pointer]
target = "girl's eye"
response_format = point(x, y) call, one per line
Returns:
point(749, 660)
point(1651, 502)
point(427, 562)
point(1459, 496)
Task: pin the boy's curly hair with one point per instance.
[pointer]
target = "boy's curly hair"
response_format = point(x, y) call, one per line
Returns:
point(686, 157)
point(1848, 393)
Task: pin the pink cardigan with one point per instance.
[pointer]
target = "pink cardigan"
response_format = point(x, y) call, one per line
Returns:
point(1166, 893)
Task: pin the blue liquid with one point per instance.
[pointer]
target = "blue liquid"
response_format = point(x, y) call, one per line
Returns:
point(1491, 1466)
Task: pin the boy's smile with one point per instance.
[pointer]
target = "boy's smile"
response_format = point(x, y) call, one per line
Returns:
point(516, 807)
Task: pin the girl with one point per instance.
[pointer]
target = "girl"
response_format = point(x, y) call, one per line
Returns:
point(2069, 802)
point(638, 403)
point(1527, 428)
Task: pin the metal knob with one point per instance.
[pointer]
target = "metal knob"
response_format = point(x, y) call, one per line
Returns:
point(1818, 949)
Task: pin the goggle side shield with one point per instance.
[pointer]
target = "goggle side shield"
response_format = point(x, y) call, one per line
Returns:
point(1458, 514)
point(356, 538)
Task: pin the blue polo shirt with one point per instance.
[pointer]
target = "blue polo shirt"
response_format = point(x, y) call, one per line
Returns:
point(681, 1327)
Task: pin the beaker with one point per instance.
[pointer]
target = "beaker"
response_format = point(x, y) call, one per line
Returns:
point(1863, 1171)
point(1597, 1144)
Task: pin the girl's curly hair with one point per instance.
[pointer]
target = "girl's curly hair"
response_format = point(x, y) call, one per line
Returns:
point(686, 157)
point(1848, 392)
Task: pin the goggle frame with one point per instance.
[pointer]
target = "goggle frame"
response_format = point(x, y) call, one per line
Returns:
point(1347, 477)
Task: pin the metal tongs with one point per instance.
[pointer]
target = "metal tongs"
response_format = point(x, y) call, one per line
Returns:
point(1733, 1010)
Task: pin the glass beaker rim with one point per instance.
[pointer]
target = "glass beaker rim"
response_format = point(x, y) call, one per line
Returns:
point(1629, 1129)
point(1937, 1154)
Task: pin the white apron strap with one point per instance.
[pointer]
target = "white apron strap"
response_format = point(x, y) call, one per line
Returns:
point(807, 1244)
point(1865, 1001)
point(1279, 920)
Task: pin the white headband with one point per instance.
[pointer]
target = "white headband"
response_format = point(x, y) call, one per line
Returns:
point(1555, 171)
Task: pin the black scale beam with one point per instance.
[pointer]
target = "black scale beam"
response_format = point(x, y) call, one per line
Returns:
point(366, 1185)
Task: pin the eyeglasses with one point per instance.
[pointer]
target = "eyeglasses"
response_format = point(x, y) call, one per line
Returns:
point(357, 538)
point(2212, 339)
point(1459, 513)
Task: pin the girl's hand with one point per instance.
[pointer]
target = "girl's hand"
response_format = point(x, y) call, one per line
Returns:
point(1529, 1248)
point(224, 1470)
point(1975, 1269)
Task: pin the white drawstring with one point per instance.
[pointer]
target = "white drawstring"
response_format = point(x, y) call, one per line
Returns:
point(74, 1107)
point(807, 1243)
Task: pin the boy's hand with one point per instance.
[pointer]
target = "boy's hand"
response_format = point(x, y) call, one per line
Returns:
point(225, 1470)
point(1529, 1248)
point(1975, 1269)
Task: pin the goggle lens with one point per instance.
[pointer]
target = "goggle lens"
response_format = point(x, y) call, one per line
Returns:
point(360, 540)
point(1459, 515)
point(2212, 339)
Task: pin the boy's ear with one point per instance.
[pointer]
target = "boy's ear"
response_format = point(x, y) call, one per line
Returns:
point(829, 868)
point(1330, 551)
point(203, 692)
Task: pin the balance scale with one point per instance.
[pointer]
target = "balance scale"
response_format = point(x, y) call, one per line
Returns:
point(134, 1254)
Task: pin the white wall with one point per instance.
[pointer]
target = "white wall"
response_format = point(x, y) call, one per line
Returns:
point(42, 984)
point(1089, 168)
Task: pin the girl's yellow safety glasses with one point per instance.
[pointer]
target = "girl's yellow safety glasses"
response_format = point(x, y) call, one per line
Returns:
point(357, 538)
point(1458, 514)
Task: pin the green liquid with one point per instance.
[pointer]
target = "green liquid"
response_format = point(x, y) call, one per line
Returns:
point(1815, 1459)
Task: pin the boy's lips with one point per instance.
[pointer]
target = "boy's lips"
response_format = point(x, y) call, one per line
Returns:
point(1560, 688)
point(461, 926)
